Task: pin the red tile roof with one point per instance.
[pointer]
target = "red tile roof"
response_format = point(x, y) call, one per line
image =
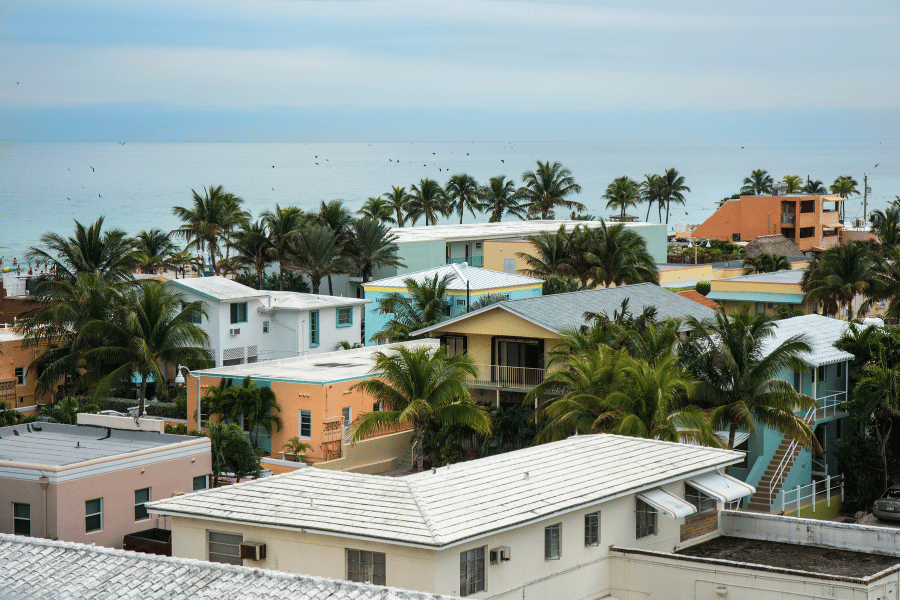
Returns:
point(699, 298)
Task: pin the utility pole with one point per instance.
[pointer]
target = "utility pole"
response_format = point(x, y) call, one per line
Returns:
point(865, 196)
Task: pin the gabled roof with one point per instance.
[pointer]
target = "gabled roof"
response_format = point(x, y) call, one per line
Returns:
point(478, 279)
point(301, 301)
point(698, 298)
point(458, 502)
point(36, 569)
point(565, 311)
point(218, 288)
point(821, 333)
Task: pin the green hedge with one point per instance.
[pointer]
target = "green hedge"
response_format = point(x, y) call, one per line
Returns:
point(170, 410)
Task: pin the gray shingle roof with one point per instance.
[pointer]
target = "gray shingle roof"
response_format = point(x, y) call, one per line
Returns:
point(565, 311)
point(36, 569)
point(457, 502)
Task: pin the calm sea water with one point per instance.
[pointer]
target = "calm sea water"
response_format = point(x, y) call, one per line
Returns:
point(44, 186)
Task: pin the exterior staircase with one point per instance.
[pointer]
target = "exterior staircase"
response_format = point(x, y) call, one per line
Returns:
point(759, 502)
point(408, 461)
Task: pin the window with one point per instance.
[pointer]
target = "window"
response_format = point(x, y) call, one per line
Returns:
point(200, 483)
point(645, 519)
point(93, 515)
point(377, 407)
point(20, 375)
point(797, 381)
point(224, 547)
point(304, 420)
point(194, 317)
point(313, 328)
point(509, 266)
point(238, 312)
point(347, 413)
point(838, 372)
point(551, 541)
point(345, 316)
point(265, 327)
point(471, 571)
point(838, 429)
point(447, 308)
point(820, 375)
point(141, 497)
point(592, 529)
point(454, 344)
point(245, 424)
point(701, 501)
point(21, 519)
point(365, 567)
point(745, 448)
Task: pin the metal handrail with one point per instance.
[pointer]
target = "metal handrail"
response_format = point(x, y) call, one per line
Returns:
point(828, 484)
point(501, 376)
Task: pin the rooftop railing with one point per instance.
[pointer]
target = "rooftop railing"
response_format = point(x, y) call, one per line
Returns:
point(509, 378)
point(472, 261)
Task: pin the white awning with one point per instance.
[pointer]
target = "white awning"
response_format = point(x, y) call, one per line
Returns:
point(723, 488)
point(668, 503)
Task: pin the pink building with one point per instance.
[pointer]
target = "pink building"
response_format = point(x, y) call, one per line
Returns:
point(89, 484)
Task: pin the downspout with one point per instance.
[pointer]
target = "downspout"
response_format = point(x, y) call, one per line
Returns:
point(467, 295)
point(45, 483)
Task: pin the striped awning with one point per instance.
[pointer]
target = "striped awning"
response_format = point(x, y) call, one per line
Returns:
point(723, 488)
point(667, 503)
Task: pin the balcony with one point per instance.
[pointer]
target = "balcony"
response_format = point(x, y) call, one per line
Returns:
point(473, 261)
point(789, 218)
point(507, 378)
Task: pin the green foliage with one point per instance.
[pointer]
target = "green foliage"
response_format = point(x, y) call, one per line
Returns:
point(512, 428)
point(423, 305)
point(555, 284)
point(487, 300)
point(859, 461)
point(296, 447)
point(547, 188)
point(181, 429)
point(840, 273)
point(703, 287)
point(766, 263)
point(293, 282)
point(232, 452)
point(66, 410)
point(9, 416)
point(257, 404)
point(758, 184)
point(166, 410)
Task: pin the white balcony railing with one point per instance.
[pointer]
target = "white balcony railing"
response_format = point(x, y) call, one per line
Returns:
point(508, 378)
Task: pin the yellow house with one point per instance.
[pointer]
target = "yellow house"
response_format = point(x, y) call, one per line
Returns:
point(508, 340)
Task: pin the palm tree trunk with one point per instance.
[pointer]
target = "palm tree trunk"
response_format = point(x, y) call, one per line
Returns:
point(259, 278)
point(732, 431)
point(667, 212)
point(143, 394)
point(280, 277)
point(420, 456)
point(330, 287)
point(649, 206)
point(316, 282)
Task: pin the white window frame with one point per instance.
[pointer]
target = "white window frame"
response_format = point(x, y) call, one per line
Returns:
point(592, 529)
point(88, 515)
point(141, 504)
point(300, 414)
point(701, 501)
point(205, 483)
point(650, 526)
point(360, 559)
point(265, 327)
point(21, 376)
point(234, 559)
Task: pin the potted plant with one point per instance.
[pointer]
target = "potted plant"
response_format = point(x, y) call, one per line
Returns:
point(294, 449)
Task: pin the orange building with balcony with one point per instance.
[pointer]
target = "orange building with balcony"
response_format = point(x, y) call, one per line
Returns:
point(17, 384)
point(810, 221)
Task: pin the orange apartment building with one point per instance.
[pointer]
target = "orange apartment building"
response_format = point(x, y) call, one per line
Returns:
point(810, 221)
point(17, 385)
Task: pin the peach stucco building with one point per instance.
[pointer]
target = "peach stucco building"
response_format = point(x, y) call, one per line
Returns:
point(17, 385)
point(88, 484)
point(812, 222)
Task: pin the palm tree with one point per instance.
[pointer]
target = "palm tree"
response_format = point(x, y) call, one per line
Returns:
point(547, 188)
point(888, 278)
point(766, 263)
point(427, 200)
point(462, 193)
point(886, 225)
point(153, 328)
point(317, 253)
point(794, 183)
point(549, 256)
point(878, 394)
point(111, 254)
point(671, 189)
point(759, 183)
point(622, 193)
point(418, 386)
point(618, 256)
point(253, 248)
point(500, 196)
point(398, 200)
point(423, 305)
point(379, 209)
point(231, 452)
point(156, 249)
point(814, 187)
point(844, 186)
point(335, 215)
point(208, 222)
point(839, 274)
point(372, 245)
point(739, 376)
point(651, 193)
point(234, 217)
point(257, 405)
point(283, 224)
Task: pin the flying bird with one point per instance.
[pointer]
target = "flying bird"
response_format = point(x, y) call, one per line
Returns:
point(876, 166)
point(273, 166)
point(69, 199)
point(503, 161)
point(99, 196)
point(467, 153)
point(92, 169)
point(317, 163)
point(432, 152)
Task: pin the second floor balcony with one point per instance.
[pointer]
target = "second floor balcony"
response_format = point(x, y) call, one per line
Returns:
point(503, 377)
point(472, 261)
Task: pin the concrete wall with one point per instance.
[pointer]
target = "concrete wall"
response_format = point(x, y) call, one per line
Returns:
point(374, 455)
point(143, 424)
point(289, 333)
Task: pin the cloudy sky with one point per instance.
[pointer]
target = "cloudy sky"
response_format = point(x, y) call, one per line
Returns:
point(78, 69)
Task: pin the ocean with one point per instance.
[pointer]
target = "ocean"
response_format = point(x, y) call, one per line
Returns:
point(44, 186)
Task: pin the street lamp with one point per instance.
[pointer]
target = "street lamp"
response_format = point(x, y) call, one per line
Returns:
point(692, 245)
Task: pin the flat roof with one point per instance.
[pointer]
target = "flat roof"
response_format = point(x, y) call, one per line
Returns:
point(790, 276)
point(485, 231)
point(218, 288)
point(301, 301)
point(37, 569)
point(811, 559)
point(459, 501)
point(54, 444)
point(327, 367)
point(465, 276)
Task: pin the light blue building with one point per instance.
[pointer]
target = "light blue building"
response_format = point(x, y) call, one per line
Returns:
point(774, 462)
point(467, 286)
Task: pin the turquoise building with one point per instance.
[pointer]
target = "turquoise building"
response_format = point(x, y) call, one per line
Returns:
point(467, 286)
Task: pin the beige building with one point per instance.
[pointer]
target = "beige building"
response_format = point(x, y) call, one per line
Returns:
point(90, 484)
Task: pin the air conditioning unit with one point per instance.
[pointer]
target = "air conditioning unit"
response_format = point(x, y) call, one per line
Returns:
point(235, 331)
point(253, 551)
point(498, 555)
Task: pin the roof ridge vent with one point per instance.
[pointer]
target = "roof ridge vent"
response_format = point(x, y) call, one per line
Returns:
point(428, 522)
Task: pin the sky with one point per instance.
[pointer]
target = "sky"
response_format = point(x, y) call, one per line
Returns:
point(272, 69)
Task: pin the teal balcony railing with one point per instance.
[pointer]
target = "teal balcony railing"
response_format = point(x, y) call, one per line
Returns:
point(473, 261)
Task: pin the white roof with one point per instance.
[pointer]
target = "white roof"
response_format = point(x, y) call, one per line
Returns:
point(37, 569)
point(301, 301)
point(478, 279)
point(340, 365)
point(490, 231)
point(820, 332)
point(458, 502)
point(786, 276)
point(218, 288)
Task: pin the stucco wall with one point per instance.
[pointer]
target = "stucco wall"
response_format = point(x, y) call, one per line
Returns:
point(13, 354)
point(374, 455)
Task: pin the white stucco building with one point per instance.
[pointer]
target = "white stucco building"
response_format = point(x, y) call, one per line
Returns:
point(247, 325)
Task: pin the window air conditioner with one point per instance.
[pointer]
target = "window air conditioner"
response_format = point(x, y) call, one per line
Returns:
point(499, 554)
point(253, 550)
point(234, 331)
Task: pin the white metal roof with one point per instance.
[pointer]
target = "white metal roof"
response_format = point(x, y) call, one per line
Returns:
point(787, 276)
point(301, 301)
point(340, 365)
point(218, 288)
point(478, 279)
point(37, 569)
point(458, 502)
point(820, 332)
point(490, 231)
